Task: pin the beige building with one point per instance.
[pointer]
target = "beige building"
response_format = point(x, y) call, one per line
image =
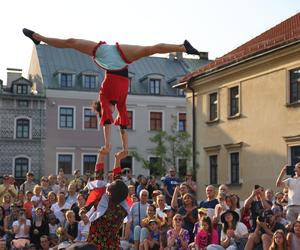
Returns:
point(247, 111)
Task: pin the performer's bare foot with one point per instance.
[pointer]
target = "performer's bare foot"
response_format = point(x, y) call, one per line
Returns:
point(121, 154)
point(105, 149)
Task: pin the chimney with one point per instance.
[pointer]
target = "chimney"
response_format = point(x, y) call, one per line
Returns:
point(12, 75)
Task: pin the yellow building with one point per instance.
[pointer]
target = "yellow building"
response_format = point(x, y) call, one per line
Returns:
point(247, 111)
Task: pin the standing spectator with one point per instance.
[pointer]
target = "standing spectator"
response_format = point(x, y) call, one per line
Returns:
point(223, 189)
point(127, 178)
point(59, 206)
point(178, 237)
point(38, 227)
point(293, 184)
point(77, 181)
point(266, 226)
point(37, 199)
point(192, 186)
point(62, 184)
point(52, 197)
point(293, 237)
point(45, 186)
point(170, 183)
point(256, 203)
point(232, 232)
point(53, 183)
point(210, 202)
point(71, 197)
point(29, 184)
point(7, 188)
point(152, 186)
point(189, 214)
point(269, 193)
point(179, 192)
point(142, 185)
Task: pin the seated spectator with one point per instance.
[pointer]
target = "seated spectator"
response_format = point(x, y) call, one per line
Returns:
point(178, 237)
point(293, 238)
point(61, 180)
point(21, 229)
point(45, 243)
point(167, 225)
point(170, 182)
point(278, 213)
point(152, 242)
point(269, 194)
point(278, 198)
point(152, 186)
point(28, 205)
point(206, 235)
point(7, 188)
point(53, 226)
point(233, 232)
point(142, 185)
point(160, 206)
point(52, 198)
point(20, 197)
point(279, 241)
point(210, 202)
point(71, 197)
point(127, 178)
point(141, 231)
point(266, 226)
point(69, 232)
point(155, 194)
point(2, 216)
point(29, 184)
point(83, 226)
point(78, 205)
point(38, 227)
point(77, 180)
point(233, 203)
point(45, 186)
point(223, 189)
point(202, 212)
point(8, 222)
point(256, 203)
point(189, 213)
point(37, 199)
point(220, 208)
point(177, 198)
point(59, 206)
point(6, 203)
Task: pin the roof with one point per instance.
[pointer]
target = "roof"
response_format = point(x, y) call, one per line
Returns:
point(282, 34)
point(53, 61)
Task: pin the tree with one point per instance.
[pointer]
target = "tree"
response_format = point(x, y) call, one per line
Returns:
point(168, 148)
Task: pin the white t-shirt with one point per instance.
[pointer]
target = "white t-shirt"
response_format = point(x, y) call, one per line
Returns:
point(39, 199)
point(83, 231)
point(240, 231)
point(294, 190)
point(21, 233)
point(58, 213)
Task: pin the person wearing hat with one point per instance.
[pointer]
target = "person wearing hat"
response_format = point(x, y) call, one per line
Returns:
point(152, 242)
point(107, 217)
point(201, 213)
point(232, 231)
point(29, 184)
point(7, 188)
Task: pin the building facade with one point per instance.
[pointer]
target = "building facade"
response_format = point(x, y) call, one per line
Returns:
point(71, 81)
point(22, 127)
point(248, 112)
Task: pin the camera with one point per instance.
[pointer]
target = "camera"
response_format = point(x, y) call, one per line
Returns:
point(265, 216)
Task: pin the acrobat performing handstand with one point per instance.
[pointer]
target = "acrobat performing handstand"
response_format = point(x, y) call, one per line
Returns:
point(114, 59)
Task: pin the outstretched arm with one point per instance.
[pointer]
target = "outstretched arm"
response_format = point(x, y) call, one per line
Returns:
point(279, 182)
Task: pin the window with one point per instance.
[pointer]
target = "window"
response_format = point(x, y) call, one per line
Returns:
point(126, 162)
point(66, 119)
point(182, 122)
point(66, 80)
point(130, 118)
point(23, 103)
point(129, 84)
point(182, 165)
point(22, 89)
point(235, 168)
point(155, 165)
point(154, 86)
point(295, 155)
point(65, 163)
point(180, 92)
point(213, 169)
point(89, 162)
point(295, 85)
point(234, 100)
point(22, 129)
point(213, 106)
point(155, 120)
point(89, 82)
point(21, 167)
point(90, 119)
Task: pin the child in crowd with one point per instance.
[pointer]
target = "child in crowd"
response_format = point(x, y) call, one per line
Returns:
point(28, 205)
point(115, 60)
point(7, 200)
point(153, 240)
point(279, 241)
point(206, 235)
point(37, 199)
point(53, 226)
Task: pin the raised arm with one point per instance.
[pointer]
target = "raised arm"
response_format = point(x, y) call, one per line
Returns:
point(279, 182)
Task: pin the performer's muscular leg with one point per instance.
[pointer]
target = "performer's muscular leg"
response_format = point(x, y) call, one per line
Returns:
point(107, 134)
point(124, 140)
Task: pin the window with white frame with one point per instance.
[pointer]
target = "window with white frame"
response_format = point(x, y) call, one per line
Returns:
point(154, 86)
point(89, 82)
point(21, 167)
point(182, 122)
point(65, 162)
point(234, 167)
point(22, 128)
point(90, 119)
point(66, 80)
point(213, 169)
point(213, 106)
point(89, 162)
point(234, 101)
point(156, 121)
point(66, 117)
point(295, 85)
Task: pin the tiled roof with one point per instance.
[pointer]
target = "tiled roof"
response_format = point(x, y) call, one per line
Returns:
point(282, 34)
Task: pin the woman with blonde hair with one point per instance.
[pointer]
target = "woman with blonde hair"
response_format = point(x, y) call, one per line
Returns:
point(279, 241)
point(178, 237)
point(293, 238)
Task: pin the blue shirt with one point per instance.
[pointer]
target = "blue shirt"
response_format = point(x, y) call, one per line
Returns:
point(171, 183)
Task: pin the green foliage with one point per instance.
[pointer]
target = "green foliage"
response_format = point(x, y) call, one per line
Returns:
point(168, 147)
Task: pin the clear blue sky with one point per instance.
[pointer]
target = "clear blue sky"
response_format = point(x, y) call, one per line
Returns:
point(216, 26)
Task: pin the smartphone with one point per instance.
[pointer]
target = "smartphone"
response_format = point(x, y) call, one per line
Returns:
point(290, 170)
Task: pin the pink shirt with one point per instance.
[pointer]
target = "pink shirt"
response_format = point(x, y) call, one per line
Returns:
point(202, 238)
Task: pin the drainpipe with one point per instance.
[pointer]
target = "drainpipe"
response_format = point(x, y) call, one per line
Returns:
point(193, 127)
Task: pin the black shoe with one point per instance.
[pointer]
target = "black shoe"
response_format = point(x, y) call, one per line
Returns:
point(190, 49)
point(29, 34)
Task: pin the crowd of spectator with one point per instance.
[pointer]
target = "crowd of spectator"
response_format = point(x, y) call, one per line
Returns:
point(50, 213)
